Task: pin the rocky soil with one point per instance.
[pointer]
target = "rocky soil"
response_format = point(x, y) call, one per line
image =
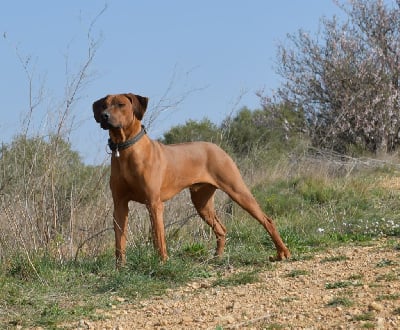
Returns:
point(349, 287)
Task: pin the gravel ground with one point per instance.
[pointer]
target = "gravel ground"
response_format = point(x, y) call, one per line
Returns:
point(349, 287)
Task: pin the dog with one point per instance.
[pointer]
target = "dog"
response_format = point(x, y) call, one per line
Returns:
point(149, 172)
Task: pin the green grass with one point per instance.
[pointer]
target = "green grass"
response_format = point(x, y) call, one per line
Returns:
point(355, 277)
point(338, 208)
point(297, 273)
point(56, 293)
point(341, 284)
point(334, 259)
point(369, 316)
point(312, 212)
point(389, 277)
point(47, 292)
point(338, 285)
point(241, 278)
point(340, 301)
point(385, 263)
point(388, 297)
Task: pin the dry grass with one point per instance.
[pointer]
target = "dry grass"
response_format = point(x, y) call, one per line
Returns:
point(53, 204)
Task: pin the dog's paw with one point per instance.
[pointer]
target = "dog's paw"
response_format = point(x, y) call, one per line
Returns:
point(281, 255)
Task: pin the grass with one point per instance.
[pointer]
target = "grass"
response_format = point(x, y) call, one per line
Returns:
point(241, 278)
point(389, 277)
point(385, 263)
point(339, 285)
point(334, 259)
point(340, 301)
point(388, 297)
point(360, 204)
point(297, 273)
point(368, 316)
point(313, 210)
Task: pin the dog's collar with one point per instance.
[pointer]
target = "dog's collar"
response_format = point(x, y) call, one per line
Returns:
point(121, 146)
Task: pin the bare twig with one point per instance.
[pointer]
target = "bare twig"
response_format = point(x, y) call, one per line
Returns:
point(226, 127)
point(181, 222)
point(81, 78)
point(34, 100)
point(80, 246)
point(166, 102)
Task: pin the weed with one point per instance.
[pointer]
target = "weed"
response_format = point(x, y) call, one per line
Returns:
point(297, 273)
point(51, 314)
point(389, 277)
point(369, 316)
point(196, 250)
point(337, 285)
point(273, 326)
point(313, 209)
point(334, 259)
point(240, 278)
point(388, 297)
point(341, 284)
point(355, 277)
point(340, 301)
point(385, 263)
point(289, 299)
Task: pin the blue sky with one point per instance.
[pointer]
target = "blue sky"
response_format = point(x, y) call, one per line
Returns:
point(222, 51)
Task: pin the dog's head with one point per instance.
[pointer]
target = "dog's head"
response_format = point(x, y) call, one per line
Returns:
point(119, 111)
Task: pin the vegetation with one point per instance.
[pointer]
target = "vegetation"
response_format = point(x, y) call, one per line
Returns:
point(346, 78)
point(316, 203)
point(56, 254)
point(340, 301)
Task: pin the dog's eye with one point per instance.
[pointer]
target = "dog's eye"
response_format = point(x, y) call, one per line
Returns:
point(121, 105)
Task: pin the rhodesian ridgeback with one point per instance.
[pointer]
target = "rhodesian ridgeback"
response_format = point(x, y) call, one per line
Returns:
point(149, 172)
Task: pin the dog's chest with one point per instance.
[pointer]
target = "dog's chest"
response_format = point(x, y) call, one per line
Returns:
point(129, 179)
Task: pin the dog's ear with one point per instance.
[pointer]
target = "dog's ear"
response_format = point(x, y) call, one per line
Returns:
point(97, 107)
point(141, 106)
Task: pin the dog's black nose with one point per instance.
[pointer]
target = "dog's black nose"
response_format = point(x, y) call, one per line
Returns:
point(105, 115)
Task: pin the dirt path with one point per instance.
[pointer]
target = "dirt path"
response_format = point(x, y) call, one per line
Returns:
point(350, 287)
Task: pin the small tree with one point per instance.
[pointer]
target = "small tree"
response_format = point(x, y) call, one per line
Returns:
point(192, 130)
point(346, 79)
point(273, 126)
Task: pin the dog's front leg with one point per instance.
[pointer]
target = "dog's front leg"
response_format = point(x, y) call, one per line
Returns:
point(120, 229)
point(156, 210)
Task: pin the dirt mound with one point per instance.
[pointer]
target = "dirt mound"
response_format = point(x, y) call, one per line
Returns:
point(342, 288)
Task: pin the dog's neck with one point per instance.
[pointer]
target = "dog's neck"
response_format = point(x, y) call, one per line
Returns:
point(119, 141)
point(124, 133)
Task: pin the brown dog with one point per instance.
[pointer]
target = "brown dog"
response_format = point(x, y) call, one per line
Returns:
point(151, 173)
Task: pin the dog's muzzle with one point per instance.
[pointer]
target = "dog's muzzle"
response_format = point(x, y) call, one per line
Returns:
point(106, 121)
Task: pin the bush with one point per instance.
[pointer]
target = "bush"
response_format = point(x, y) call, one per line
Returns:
point(274, 127)
point(192, 130)
point(45, 188)
point(346, 78)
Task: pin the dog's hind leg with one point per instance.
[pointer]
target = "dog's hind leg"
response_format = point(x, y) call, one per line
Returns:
point(248, 202)
point(203, 200)
point(238, 191)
